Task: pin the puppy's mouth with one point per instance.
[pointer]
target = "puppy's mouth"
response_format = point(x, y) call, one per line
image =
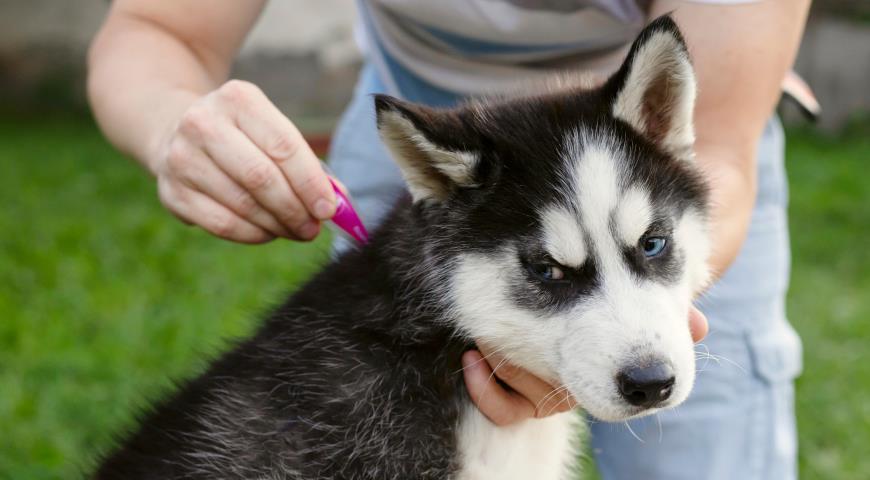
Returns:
point(617, 408)
point(640, 412)
point(624, 413)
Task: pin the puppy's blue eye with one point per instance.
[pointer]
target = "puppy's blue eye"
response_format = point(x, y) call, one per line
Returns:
point(653, 246)
point(547, 272)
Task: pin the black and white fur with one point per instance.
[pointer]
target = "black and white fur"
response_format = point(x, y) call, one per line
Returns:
point(526, 230)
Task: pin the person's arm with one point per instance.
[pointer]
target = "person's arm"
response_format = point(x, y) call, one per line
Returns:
point(225, 158)
point(741, 54)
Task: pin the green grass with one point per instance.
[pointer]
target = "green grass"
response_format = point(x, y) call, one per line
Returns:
point(829, 301)
point(104, 296)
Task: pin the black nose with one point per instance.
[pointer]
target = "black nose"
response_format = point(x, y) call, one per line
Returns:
point(646, 386)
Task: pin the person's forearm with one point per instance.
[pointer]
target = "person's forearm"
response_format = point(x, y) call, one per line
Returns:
point(741, 53)
point(141, 79)
point(732, 198)
point(223, 155)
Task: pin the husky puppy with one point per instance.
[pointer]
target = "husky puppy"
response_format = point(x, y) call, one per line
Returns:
point(566, 229)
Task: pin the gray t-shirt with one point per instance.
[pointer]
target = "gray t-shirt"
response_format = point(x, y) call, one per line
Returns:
point(482, 46)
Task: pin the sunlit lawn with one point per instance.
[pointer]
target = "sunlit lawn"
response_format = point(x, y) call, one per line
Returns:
point(104, 296)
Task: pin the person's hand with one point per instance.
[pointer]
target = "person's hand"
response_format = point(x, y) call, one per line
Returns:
point(528, 396)
point(237, 167)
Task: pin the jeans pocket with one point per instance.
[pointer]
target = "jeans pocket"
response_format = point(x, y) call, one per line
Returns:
point(776, 353)
point(776, 358)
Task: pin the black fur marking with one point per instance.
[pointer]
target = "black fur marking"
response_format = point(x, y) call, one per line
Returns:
point(366, 384)
point(531, 293)
point(666, 267)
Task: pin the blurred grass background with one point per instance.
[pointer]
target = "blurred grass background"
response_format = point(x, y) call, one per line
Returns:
point(104, 297)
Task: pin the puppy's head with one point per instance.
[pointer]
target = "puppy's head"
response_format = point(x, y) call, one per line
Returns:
point(571, 225)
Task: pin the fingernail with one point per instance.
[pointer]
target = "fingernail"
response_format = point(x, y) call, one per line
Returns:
point(470, 360)
point(323, 209)
point(309, 230)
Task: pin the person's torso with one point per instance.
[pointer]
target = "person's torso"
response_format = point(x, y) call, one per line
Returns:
point(482, 46)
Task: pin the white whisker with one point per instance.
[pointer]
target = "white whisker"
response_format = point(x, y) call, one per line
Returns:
point(716, 358)
point(628, 425)
point(661, 431)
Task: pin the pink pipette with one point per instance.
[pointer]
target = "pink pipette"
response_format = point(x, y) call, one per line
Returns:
point(346, 217)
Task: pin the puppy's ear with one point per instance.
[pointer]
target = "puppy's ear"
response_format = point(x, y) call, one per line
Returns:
point(654, 90)
point(434, 148)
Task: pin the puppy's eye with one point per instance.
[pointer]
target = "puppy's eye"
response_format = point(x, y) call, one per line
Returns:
point(547, 272)
point(653, 246)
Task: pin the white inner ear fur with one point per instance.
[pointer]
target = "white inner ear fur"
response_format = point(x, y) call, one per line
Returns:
point(661, 81)
point(427, 168)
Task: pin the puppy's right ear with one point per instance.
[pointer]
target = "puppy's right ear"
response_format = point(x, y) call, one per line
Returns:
point(654, 90)
point(434, 148)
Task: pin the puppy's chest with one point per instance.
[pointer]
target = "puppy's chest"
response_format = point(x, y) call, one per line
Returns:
point(544, 449)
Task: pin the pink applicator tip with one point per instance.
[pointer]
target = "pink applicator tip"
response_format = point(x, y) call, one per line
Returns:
point(346, 217)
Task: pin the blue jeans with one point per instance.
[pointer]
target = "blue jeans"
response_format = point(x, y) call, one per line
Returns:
point(738, 423)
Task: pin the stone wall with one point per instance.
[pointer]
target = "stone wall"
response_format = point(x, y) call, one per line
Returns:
point(302, 53)
point(835, 60)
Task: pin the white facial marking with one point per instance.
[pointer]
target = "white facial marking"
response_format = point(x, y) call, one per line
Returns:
point(633, 215)
point(486, 312)
point(693, 236)
point(564, 237)
point(597, 186)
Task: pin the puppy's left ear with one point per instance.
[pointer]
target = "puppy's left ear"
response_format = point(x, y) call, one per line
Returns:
point(436, 149)
point(654, 90)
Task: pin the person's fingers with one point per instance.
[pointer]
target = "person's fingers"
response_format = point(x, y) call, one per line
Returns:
point(546, 398)
point(235, 154)
point(494, 401)
point(698, 325)
point(196, 208)
point(194, 168)
point(276, 135)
